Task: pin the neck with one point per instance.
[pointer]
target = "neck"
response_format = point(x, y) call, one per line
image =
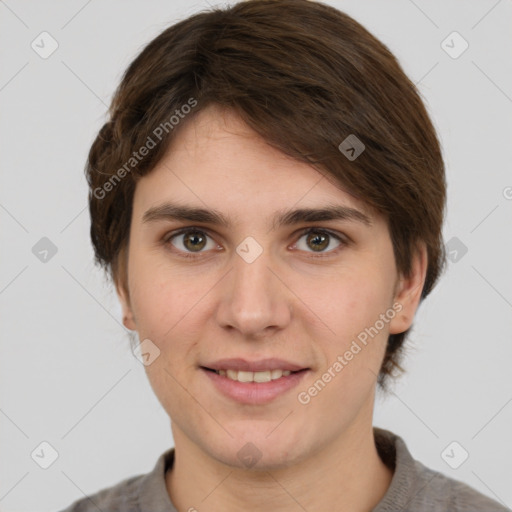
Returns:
point(347, 475)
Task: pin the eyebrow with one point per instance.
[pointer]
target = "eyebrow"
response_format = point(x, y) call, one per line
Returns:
point(170, 211)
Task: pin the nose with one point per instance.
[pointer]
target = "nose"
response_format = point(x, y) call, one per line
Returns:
point(254, 299)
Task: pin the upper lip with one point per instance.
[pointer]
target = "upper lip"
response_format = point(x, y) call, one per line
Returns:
point(261, 365)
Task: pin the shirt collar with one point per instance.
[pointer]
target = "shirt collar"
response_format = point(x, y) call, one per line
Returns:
point(152, 492)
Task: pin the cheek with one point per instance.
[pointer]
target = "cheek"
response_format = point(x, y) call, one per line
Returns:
point(354, 353)
point(353, 311)
point(353, 300)
point(158, 301)
point(156, 289)
point(163, 305)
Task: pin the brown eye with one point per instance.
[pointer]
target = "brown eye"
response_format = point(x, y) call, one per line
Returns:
point(194, 240)
point(319, 240)
point(190, 241)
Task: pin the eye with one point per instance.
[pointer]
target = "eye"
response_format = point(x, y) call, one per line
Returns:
point(192, 242)
point(319, 240)
point(189, 241)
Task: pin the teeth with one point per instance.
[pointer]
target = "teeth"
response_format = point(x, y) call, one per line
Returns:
point(242, 376)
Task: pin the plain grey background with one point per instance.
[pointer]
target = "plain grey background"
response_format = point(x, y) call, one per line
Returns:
point(68, 376)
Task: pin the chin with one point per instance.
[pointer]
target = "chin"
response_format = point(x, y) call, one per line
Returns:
point(259, 451)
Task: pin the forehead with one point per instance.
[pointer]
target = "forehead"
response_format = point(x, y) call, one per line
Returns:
point(216, 161)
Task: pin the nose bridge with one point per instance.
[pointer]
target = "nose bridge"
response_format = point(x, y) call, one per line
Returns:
point(253, 299)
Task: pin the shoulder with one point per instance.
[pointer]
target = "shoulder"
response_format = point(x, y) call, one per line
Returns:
point(121, 497)
point(435, 491)
point(416, 487)
point(139, 493)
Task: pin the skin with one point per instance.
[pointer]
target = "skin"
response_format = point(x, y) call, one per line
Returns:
point(286, 304)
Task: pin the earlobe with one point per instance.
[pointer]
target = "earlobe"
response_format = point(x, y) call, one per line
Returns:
point(128, 322)
point(128, 317)
point(120, 279)
point(408, 292)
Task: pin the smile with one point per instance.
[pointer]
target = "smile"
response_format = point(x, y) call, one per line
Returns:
point(253, 387)
point(265, 376)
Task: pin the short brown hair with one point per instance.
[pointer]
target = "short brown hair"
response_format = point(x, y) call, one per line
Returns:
point(304, 76)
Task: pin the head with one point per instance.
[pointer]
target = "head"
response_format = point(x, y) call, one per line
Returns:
point(244, 111)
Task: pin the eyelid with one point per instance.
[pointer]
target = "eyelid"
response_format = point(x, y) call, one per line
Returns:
point(166, 240)
point(340, 237)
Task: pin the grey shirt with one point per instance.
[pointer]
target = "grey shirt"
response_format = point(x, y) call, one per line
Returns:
point(414, 487)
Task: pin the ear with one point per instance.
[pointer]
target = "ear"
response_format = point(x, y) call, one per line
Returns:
point(124, 299)
point(408, 292)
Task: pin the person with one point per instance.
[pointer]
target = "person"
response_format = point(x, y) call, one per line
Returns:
point(268, 196)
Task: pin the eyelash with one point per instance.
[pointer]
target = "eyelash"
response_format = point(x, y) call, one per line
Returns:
point(170, 236)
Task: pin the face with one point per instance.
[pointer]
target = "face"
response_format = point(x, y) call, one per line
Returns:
point(258, 292)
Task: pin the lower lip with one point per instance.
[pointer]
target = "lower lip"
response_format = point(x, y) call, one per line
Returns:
point(254, 392)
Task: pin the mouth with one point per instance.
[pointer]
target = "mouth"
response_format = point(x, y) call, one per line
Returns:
point(261, 376)
point(254, 387)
